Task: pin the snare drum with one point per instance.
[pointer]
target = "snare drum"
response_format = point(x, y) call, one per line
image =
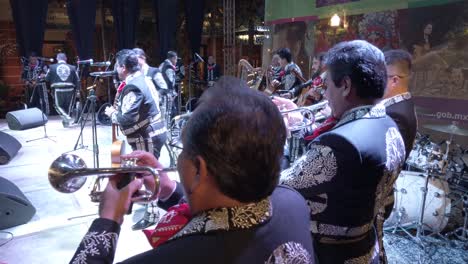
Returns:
point(408, 202)
point(424, 156)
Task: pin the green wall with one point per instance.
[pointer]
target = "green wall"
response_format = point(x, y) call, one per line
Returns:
point(284, 9)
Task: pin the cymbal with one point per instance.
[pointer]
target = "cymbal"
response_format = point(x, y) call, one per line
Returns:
point(450, 129)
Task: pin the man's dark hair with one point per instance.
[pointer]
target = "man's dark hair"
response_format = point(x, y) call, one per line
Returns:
point(61, 56)
point(129, 59)
point(321, 56)
point(171, 54)
point(363, 63)
point(399, 56)
point(240, 133)
point(140, 53)
point(32, 54)
point(285, 53)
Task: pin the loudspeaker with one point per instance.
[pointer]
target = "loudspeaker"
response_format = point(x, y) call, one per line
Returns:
point(15, 208)
point(26, 119)
point(9, 146)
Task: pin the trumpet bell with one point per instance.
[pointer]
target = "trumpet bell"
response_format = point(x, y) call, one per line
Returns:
point(61, 171)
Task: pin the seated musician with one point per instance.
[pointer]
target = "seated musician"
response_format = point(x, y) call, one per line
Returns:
point(291, 73)
point(314, 85)
point(229, 171)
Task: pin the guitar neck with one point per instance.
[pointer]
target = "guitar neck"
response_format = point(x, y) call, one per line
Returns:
point(114, 132)
point(299, 76)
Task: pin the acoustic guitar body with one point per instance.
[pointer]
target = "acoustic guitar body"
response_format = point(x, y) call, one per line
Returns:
point(117, 148)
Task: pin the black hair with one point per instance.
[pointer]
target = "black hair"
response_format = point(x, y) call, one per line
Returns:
point(363, 63)
point(171, 54)
point(140, 53)
point(129, 59)
point(285, 53)
point(241, 134)
point(393, 57)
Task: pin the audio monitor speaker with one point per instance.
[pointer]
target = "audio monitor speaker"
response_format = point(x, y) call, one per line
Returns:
point(15, 208)
point(9, 146)
point(26, 119)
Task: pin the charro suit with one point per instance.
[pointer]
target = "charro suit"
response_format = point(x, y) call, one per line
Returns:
point(267, 231)
point(344, 178)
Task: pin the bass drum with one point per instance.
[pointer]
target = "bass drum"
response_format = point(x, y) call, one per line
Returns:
point(408, 202)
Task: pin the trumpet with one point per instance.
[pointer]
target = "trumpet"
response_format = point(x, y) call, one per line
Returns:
point(298, 118)
point(68, 173)
point(303, 117)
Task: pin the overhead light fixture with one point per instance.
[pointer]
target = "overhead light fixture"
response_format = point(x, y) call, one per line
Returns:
point(335, 21)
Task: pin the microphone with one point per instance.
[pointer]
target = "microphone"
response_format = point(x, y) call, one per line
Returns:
point(90, 61)
point(45, 59)
point(103, 73)
point(198, 58)
point(183, 116)
point(101, 64)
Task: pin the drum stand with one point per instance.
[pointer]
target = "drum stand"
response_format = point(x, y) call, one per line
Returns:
point(463, 230)
point(418, 238)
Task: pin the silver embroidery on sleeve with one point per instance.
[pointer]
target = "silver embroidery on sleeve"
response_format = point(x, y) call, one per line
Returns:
point(317, 166)
point(395, 150)
point(290, 253)
point(127, 102)
point(94, 243)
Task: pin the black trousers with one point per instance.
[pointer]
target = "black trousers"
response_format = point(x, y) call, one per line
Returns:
point(63, 100)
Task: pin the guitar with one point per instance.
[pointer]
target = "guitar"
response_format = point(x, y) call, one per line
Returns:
point(117, 148)
point(301, 99)
point(311, 92)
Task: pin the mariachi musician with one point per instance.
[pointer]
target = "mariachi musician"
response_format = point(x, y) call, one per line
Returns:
point(311, 92)
point(64, 81)
point(290, 76)
point(33, 77)
point(138, 115)
point(212, 71)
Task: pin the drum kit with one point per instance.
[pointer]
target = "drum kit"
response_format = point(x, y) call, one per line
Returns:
point(432, 188)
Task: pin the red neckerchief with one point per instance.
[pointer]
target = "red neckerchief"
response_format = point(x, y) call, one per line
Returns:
point(324, 127)
point(121, 86)
point(170, 223)
point(211, 67)
point(318, 81)
point(281, 73)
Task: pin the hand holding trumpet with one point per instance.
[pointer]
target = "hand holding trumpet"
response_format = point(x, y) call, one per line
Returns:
point(68, 173)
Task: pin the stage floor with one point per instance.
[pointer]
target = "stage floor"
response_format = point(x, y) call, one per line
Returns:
point(61, 220)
